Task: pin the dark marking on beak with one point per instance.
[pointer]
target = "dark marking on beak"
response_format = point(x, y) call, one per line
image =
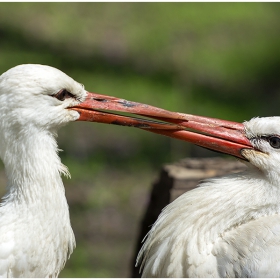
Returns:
point(100, 99)
point(126, 103)
point(147, 126)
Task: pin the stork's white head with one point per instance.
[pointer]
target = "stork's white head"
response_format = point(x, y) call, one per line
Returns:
point(36, 96)
point(264, 134)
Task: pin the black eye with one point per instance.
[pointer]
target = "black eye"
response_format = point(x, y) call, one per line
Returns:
point(63, 94)
point(274, 142)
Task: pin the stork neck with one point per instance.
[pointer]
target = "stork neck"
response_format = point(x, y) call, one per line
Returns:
point(33, 167)
point(35, 208)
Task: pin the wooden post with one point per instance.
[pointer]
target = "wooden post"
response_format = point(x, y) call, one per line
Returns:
point(176, 179)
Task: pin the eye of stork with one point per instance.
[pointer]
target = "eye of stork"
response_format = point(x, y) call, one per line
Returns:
point(63, 94)
point(274, 141)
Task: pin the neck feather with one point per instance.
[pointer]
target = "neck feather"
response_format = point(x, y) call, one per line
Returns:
point(33, 168)
point(35, 190)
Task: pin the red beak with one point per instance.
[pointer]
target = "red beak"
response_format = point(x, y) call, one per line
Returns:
point(218, 135)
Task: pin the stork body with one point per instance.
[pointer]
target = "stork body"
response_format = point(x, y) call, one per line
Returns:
point(36, 237)
point(228, 226)
point(35, 230)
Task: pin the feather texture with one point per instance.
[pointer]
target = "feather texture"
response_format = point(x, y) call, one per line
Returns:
point(228, 226)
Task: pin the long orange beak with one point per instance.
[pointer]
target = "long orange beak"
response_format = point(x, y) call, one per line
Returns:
point(218, 135)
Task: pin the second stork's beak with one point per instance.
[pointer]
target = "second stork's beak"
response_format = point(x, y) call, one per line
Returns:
point(218, 135)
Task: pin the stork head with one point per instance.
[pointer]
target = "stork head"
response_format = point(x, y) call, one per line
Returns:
point(264, 135)
point(36, 96)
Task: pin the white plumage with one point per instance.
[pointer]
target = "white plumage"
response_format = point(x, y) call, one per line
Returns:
point(228, 226)
point(36, 237)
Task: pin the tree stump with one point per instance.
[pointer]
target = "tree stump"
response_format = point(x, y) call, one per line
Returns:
point(176, 179)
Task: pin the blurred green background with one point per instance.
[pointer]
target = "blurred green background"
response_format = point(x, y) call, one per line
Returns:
point(213, 59)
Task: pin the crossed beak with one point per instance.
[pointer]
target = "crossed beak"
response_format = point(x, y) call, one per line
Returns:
point(214, 134)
